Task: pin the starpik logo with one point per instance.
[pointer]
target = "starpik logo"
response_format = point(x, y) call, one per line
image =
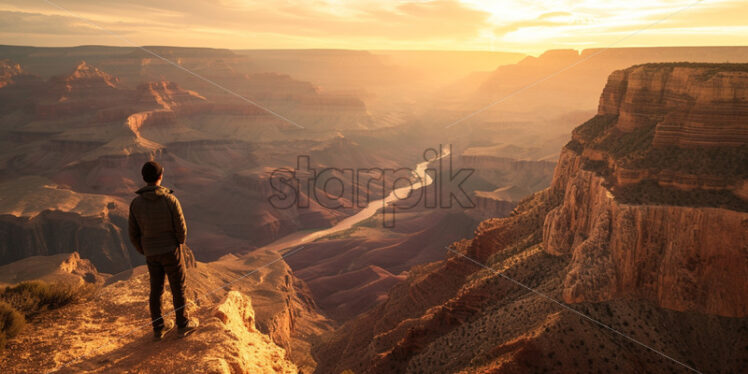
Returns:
point(434, 184)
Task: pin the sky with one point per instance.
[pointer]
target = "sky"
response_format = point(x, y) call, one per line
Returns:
point(499, 25)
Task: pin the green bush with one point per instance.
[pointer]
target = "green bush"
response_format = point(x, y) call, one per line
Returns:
point(31, 298)
point(11, 323)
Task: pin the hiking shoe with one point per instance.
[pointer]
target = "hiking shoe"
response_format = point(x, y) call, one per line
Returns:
point(159, 334)
point(189, 327)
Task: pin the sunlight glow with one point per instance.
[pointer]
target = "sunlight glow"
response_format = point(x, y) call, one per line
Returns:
point(509, 25)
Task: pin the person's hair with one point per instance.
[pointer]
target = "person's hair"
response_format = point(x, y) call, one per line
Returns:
point(151, 171)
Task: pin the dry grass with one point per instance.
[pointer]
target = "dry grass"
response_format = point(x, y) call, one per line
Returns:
point(31, 298)
point(27, 299)
point(11, 323)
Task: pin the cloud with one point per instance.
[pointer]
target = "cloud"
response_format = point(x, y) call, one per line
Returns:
point(405, 19)
point(365, 24)
point(546, 19)
point(24, 22)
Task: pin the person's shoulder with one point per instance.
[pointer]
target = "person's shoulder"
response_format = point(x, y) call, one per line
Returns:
point(171, 197)
point(136, 205)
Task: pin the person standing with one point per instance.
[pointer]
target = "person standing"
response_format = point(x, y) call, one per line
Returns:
point(158, 230)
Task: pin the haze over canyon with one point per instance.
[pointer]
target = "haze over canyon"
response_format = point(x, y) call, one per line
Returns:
point(604, 224)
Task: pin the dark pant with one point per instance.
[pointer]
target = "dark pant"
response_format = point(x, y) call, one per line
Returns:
point(167, 265)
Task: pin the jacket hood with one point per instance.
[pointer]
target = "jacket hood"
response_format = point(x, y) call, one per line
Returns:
point(153, 192)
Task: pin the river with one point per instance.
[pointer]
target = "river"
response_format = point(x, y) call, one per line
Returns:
point(421, 179)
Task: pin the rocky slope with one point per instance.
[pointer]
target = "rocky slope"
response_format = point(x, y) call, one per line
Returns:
point(263, 322)
point(350, 272)
point(669, 276)
point(67, 268)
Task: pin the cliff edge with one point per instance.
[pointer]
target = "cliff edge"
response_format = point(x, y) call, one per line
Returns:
point(645, 237)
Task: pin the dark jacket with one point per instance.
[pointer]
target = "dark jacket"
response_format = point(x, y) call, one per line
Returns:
point(156, 222)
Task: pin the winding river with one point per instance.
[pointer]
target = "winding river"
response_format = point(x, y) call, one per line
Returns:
point(421, 179)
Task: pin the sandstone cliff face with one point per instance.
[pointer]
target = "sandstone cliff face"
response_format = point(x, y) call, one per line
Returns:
point(665, 274)
point(681, 126)
point(487, 206)
point(683, 255)
point(256, 353)
point(682, 258)
point(692, 105)
point(453, 316)
point(102, 240)
point(531, 174)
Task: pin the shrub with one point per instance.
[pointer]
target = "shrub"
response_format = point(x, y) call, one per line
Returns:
point(31, 298)
point(11, 323)
point(595, 126)
point(710, 69)
point(627, 144)
point(726, 162)
point(649, 192)
point(575, 146)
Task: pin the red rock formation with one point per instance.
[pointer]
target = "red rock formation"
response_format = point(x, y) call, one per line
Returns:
point(85, 81)
point(621, 250)
point(102, 240)
point(692, 106)
point(487, 206)
point(270, 334)
point(85, 89)
point(8, 71)
point(679, 125)
point(625, 265)
point(682, 258)
point(527, 175)
point(68, 268)
point(168, 95)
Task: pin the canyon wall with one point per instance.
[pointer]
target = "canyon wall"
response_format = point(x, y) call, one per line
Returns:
point(688, 255)
point(693, 105)
point(682, 258)
point(679, 125)
point(90, 132)
point(670, 273)
point(102, 240)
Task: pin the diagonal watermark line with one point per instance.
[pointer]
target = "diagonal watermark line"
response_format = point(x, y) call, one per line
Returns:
point(150, 322)
point(570, 309)
point(547, 77)
point(170, 62)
